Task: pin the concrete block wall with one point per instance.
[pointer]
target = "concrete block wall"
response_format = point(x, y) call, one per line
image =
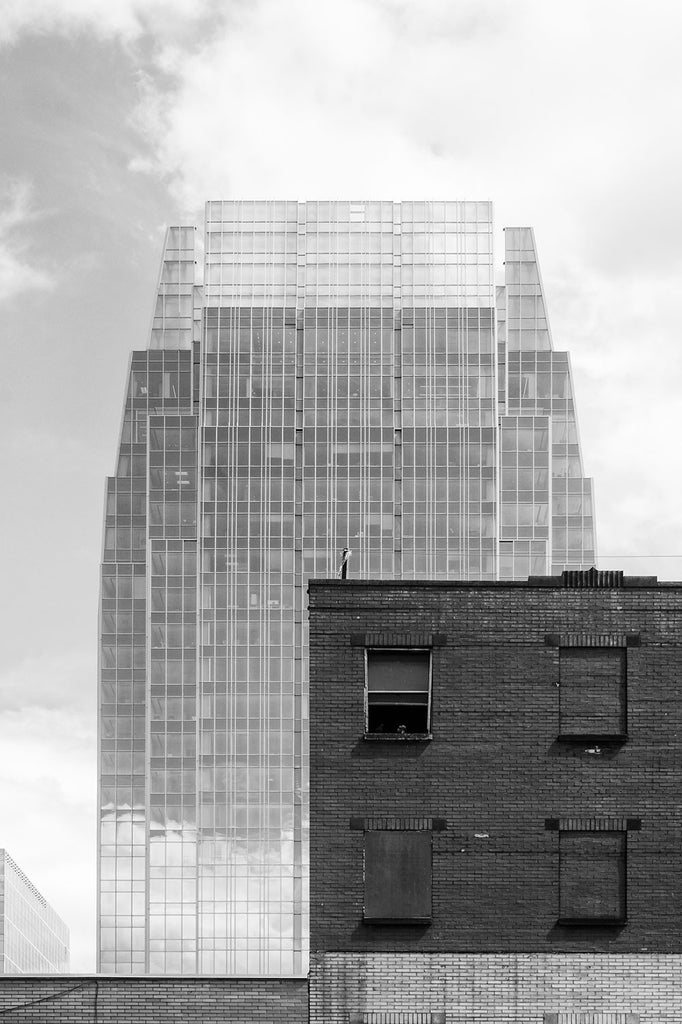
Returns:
point(70, 999)
point(495, 769)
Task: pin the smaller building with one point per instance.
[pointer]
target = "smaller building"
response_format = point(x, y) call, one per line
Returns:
point(495, 780)
point(33, 938)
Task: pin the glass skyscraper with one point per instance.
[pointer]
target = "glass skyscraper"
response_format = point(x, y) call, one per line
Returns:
point(346, 376)
point(33, 938)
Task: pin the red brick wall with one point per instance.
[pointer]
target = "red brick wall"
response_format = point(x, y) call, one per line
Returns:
point(152, 1000)
point(494, 769)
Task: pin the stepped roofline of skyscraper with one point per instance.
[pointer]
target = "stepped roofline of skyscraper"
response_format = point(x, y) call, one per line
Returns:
point(344, 375)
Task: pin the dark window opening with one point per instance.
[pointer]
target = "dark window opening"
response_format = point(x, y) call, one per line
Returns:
point(592, 877)
point(592, 692)
point(398, 691)
point(397, 877)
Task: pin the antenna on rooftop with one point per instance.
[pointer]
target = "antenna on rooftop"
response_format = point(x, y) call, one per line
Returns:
point(343, 568)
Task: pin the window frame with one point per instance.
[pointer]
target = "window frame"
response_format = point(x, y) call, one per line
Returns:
point(596, 735)
point(426, 734)
point(620, 865)
point(420, 836)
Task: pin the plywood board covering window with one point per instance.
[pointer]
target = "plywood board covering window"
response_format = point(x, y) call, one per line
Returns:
point(397, 877)
point(592, 691)
point(592, 877)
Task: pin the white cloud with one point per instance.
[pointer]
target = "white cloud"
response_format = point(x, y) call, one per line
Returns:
point(17, 273)
point(309, 99)
point(627, 372)
point(126, 20)
point(391, 98)
point(51, 681)
point(50, 746)
point(17, 276)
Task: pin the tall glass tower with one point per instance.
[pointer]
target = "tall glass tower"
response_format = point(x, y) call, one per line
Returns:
point(347, 376)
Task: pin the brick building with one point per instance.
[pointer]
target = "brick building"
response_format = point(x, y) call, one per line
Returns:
point(495, 817)
point(495, 780)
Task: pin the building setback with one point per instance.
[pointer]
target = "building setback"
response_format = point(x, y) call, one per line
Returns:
point(33, 938)
point(348, 376)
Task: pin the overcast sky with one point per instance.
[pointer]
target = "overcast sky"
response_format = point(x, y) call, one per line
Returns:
point(122, 116)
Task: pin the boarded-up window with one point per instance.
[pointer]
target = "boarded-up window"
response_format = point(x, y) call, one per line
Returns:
point(592, 691)
point(397, 877)
point(398, 689)
point(592, 877)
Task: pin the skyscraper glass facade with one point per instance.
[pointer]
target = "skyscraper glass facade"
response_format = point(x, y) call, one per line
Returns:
point(347, 375)
point(33, 938)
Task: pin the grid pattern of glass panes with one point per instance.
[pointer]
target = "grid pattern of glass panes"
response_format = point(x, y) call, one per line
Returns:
point(349, 404)
point(340, 389)
point(251, 254)
point(448, 377)
point(173, 321)
point(173, 442)
point(33, 939)
point(347, 449)
point(539, 384)
point(173, 755)
point(448, 443)
point(527, 326)
point(501, 316)
point(525, 496)
point(252, 870)
point(122, 831)
point(160, 382)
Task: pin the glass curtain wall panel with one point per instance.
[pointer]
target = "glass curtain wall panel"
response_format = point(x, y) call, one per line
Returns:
point(33, 938)
point(346, 377)
point(546, 507)
point(148, 644)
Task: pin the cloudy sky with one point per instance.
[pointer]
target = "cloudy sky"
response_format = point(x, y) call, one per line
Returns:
point(121, 116)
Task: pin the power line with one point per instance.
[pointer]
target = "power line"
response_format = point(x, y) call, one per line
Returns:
point(54, 995)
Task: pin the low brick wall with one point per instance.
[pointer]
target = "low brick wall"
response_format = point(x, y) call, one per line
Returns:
point(508, 988)
point(70, 999)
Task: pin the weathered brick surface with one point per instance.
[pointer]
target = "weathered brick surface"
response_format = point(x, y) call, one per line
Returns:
point(511, 988)
point(495, 769)
point(70, 999)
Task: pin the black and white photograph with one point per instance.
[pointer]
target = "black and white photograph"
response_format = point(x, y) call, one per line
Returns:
point(342, 571)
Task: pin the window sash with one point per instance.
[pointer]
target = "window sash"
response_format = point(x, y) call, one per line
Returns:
point(398, 678)
point(398, 669)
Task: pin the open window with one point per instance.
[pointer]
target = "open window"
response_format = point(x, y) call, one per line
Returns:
point(592, 877)
point(592, 693)
point(397, 877)
point(398, 691)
